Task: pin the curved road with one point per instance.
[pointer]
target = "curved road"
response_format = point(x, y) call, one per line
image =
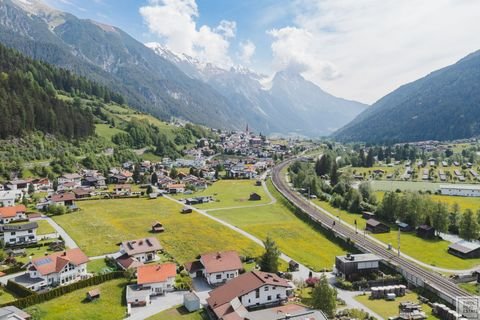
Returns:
point(442, 284)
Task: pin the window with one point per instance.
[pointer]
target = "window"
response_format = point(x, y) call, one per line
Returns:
point(269, 298)
point(266, 288)
point(218, 276)
point(232, 275)
point(13, 233)
point(257, 293)
point(30, 231)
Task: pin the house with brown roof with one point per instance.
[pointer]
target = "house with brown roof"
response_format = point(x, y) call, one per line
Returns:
point(216, 267)
point(59, 268)
point(134, 253)
point(254, 289)
point(15, 213)
point(63, 199)
point(152, 280)
point(175, 188)
point(375, 226)
point(122, 189)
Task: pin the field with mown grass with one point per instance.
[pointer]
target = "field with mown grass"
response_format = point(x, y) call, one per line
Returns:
point(104, 130)
point(6, 296)
point(472, 287)
point(388, 309)
point(294, 237)
point(230, 193)
point(432, 252)
point(180, 313)
point(99, 225)
point(110, 305)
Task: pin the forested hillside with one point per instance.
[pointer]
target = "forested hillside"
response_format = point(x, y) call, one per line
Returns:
point(28, 100)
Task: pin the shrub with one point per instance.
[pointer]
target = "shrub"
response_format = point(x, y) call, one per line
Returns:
point(311, 282)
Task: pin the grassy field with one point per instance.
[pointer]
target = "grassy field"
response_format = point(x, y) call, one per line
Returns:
point(432, 252)
point(179, 313)
point(110, 306)
point(405, 186)
point(104, 130)
point(295, 238)
point(44, 227)
point(230, 193)
point(6, 296)
point(96, 266)
point(100, 225)
point(387, 309)
point(472, 287)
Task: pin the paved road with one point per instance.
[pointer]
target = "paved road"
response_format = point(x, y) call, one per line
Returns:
point(158, 304)
point(442, 284)
point(69, 242)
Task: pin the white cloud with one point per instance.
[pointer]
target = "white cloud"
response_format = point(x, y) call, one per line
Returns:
point(247, 50)
point(363, 49)
point(174, 21)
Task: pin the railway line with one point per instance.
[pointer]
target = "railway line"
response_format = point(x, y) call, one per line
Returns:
point(415, 274)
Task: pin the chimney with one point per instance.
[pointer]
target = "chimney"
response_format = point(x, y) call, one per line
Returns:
point(64, 253)
point(219, 255)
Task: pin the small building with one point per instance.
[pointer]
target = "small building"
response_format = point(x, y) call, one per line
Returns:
point(426, 231)
point(404, 227)
point(465, 249)
point(293, 266)
point(157, 227)
point(19, 234)
point(7, 198)
point(351, 266)
point(81, 193)
point(63, 199)
point(122, 189)
point(255, 197)
point(175, 188)
point(14, 213)
point(13, 313)
point(464, 190)
point(187, 209)
point(191, 301)
point(216, 267)
point(93, 294)
point(258, 183)
point(368, 215)
point(375, 226)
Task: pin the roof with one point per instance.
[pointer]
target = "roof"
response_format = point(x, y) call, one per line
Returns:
point(8, 195)
point(464, 246)
point(373, 222)
point(56, 261)
point(294, 312)
point(176, 186)
point(63, 197)
point(133, 247)
point(123, 186)
point(363, 257)
point(193, 266)
point(460, 186)
point(71, 176)
point(12, 310)
point(128, 262)
point(19, 227)
point(10, 212)
point(221, 261)
point(242, 285)
point(425, 227)
point(154, 273)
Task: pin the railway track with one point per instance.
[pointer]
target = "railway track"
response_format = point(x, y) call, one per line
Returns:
point(433, 279)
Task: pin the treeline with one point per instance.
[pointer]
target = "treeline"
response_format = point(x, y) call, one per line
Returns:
point(28, 99)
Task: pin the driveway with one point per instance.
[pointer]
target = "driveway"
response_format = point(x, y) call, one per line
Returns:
point(201, 289)
point(158, 304)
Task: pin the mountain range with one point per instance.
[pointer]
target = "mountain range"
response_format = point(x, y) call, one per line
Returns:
point(169, 85)
point(444, 105)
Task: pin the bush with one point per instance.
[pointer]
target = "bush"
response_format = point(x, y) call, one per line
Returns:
point(18, 290)
point(311, 282)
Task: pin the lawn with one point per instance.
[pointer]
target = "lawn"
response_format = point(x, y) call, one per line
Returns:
point(44, 227)
point(180, 313)
point(472, 203)
point(110, 306)
point(230, 193)
point(100, 225)
point(432, 252)
point(104, 130)
point(6, 296)
point(387, 309)
point(294, 237)
point(97, 266)
point(472, 287)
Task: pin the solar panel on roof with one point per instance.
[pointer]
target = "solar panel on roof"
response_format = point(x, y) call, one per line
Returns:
point(43, 261)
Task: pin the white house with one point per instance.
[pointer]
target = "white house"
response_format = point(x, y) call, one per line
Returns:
point(216, 267)
point(134, 253)
point(249, 290)
point(59, 268)
point(176, 188)
point(7, 198)
point(465, 190)
point(19, 234)
point(73, 178)
point(14, 213)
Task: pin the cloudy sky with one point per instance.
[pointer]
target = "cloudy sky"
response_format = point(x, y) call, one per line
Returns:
point(356, 49)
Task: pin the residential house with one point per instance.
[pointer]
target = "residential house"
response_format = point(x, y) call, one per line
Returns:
point(59, 268)
point(63, 199)
point(152, 280)
point(14, 213)
point(254, 289)
point(81, 193)
point(19, 234)
point(19, 184)
point(465, 249)
point(8, 198)
point(122, 189)
point(375, 226)
point(352, 266)
point(176, 188)
point(216, 267)
point(135, 252)
point(72, 178)
point(42, 184)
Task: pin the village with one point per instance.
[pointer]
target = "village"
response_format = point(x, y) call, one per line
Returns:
point(186, 238)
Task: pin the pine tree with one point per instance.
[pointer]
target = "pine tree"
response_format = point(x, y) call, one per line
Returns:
point(154, 179)
point(468, 228)
point(324, 297)
point(269, 260)
point(334, 174)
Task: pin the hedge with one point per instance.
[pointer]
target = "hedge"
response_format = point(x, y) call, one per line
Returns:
point(18, 290)
point(36, 298)
point(13, 269)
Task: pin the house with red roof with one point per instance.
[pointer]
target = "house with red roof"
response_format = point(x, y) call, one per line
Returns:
point(15, 213)
point(216, 267)
point(152, 280)
point(251, 290)
point(59, 268)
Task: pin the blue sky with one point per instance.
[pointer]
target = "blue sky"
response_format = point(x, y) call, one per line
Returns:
point(356, 49)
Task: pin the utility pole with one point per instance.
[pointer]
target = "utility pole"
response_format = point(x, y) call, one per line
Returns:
point(356, 226)
point(398, 242)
